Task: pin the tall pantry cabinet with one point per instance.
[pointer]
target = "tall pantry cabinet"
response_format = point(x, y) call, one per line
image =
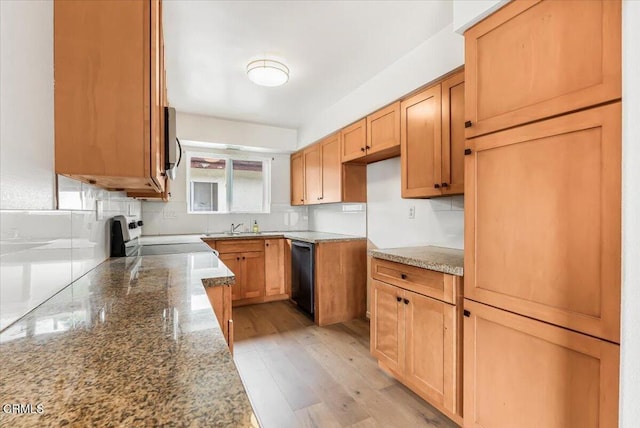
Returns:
point(542, 216)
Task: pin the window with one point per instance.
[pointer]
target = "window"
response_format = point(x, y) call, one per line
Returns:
point(222, 184)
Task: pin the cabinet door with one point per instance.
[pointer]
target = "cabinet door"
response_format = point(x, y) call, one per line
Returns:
point(542, 220)
point(453, 135)
point(253, 270)
point(526, 373)
point(431, 349)
point(312, 175)
point(387, 328)
point(274, 267)
point(383, 129)
point(536, 59)
point(234, 262)
point(421, 141)
point(331, 170)
point(297, 179)
point(354, 141)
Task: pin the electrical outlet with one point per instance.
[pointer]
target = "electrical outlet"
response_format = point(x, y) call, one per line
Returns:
point(412, 212)
point(169, 214)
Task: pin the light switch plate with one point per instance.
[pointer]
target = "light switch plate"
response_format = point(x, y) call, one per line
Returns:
point(412, 212)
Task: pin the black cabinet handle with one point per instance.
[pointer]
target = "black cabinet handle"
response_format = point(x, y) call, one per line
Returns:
point(445, 185)
point(237, 258)
point(267, 244)
point(399, 299)
point(406, 301)
point(467, 152)
point(466, 313)
point(321, 198)
point(403, 276)
point(437, 186)
point(362, 149)
point(467, 124)
point(301, 200)
point(368, 147)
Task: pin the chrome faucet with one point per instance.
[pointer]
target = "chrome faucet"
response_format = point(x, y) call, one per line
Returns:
point(234, 228)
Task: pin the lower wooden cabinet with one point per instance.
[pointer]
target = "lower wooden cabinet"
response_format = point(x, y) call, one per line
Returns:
point(274, 267)
point(526, 373)
point(220, 299)
point(418, 339)
point(260, 267)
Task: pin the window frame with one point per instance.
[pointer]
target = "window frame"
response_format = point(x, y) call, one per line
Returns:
point(229, 158)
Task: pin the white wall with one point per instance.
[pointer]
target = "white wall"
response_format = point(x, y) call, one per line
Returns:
point(630, 336)
point(42, 249)
point(172, 218)
point(26, 105)
point(221, 131)
point(467, 13)
point(436, 56)
point(438, 221)
point(348, 219)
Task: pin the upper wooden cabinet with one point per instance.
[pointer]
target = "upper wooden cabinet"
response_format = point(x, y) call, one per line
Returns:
point(432, 140)
point(354, 141)
point(297, 179)
point(326, 178)
point(373, 138)
point(536, 59)
point(524, 373)
point(109, 79)
point(542, 220)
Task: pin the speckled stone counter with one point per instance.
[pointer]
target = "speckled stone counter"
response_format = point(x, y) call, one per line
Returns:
point(132, 343)
point(447, 260)
point(312, 237)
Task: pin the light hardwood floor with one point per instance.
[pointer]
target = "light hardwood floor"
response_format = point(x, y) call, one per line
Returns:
point(300, 375)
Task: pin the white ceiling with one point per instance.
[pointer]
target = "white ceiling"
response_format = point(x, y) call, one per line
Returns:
point(331, 48)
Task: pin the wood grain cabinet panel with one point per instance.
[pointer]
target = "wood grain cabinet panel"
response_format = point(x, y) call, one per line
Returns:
point(420, 144)
point(312, 174)
point(387, 329)
point(383, 133)
point(526, 373)
point(543, 219)
point(297, 179)
point(331, 170)
point(220, 299)
point(109, 77)
point(254, 275)
point(432, 140)
point(536, 59)
point(274, 266)
point(354, 141)
point(416, 337)
point(234, 262)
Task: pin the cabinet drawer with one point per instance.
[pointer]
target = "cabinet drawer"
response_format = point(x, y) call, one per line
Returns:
point(430, 283)
point(240, 246)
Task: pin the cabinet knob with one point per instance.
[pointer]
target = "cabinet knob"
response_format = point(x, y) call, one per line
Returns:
point(237, 258)
point(406, 301)
point(437, 186)
point(267, 244)
point(301, 200)
point(403, 276)
point(362, 149)
point(445, 185)
point(467, 124)
point(243, 258)
point(368, 147)
point(399, 299)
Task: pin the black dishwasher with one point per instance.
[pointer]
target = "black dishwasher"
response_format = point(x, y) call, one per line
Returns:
point(302, 275)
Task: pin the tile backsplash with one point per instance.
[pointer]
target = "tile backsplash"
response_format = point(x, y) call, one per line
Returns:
point(172, 218)
point(42, 251)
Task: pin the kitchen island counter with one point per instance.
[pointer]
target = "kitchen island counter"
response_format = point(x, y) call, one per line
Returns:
point(133, 342)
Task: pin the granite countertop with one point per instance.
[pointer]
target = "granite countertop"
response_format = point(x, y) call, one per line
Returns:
point(134, 342)
point(447, 260)
point(307, 236)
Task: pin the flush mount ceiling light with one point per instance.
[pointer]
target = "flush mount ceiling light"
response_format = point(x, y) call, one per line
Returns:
point(267, 72)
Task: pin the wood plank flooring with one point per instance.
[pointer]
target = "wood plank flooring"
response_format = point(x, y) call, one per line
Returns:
point(300, 375)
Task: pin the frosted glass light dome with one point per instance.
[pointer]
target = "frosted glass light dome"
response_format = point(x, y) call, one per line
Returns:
point(266, 72)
